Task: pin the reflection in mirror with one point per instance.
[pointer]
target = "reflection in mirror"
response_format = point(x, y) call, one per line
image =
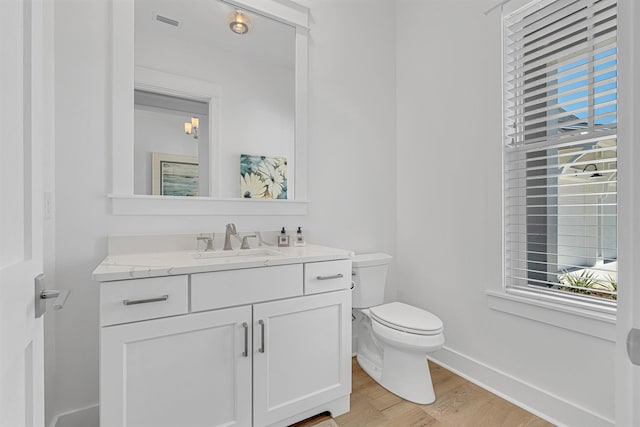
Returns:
point(167, 159)
point(255, 73)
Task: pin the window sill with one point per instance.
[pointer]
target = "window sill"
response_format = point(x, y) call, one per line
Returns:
point(599, 324)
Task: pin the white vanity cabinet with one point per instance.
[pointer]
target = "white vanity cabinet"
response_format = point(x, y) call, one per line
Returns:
point(177, 371)
point(302, 355)
point(242, 347)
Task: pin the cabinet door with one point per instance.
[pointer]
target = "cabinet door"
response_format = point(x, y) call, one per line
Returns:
point(187, 371)
point(304, 360)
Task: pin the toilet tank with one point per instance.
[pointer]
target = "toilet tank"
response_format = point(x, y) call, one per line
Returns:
point(369, 277)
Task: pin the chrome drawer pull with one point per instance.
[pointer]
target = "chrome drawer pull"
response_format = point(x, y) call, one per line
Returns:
point(335, 276)
point(245, 353)
point(144, 301)
point(261, 323)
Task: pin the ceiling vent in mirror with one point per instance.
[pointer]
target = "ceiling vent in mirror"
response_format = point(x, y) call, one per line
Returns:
point(165, 20)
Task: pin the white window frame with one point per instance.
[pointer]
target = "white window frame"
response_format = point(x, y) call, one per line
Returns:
point(569, 313)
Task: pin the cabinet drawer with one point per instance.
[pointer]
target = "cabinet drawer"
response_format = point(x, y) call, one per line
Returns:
point(236, 287)
point(139, 299)
point(327, 276)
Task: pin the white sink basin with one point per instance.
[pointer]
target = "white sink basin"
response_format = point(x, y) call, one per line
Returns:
point(239, 253)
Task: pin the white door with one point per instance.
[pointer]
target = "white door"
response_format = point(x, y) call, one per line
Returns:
point(627, 373)
point(301, 354)
point(191, 370)
point(22, 123)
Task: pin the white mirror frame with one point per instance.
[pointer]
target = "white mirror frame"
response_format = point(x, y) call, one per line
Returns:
point(123, 199)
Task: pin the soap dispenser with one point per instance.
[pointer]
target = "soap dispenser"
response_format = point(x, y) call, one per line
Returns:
point(299, 238)
point(283, 238)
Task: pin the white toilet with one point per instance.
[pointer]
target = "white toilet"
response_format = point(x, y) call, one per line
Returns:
point(393, 338)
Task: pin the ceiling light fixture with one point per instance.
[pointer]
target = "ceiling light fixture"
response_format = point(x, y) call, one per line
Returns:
point(239, 22)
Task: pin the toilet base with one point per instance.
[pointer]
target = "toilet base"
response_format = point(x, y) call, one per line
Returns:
point(397, 360)
point(404, 375)
point(407, 375)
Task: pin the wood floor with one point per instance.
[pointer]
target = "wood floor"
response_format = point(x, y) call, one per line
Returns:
point(458, 403)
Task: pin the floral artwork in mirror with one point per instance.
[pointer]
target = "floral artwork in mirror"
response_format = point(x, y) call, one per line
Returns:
point(263, 177)
point(174, 175)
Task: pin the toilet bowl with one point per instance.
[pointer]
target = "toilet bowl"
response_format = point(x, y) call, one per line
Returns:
point(394, 338)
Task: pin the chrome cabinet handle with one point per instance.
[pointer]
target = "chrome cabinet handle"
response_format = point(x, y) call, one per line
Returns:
point(245, 353)
point(334, 276)
point(261, 323)
point(145, 301)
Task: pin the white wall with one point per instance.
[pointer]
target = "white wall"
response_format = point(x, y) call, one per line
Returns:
point(351, 164)
point(352, 123)
point(449, 218)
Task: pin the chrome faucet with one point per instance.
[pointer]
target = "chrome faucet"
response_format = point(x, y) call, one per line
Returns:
point(231, 230)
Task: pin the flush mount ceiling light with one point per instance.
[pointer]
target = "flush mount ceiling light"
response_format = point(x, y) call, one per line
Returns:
point(191, 127)
point(239, 22)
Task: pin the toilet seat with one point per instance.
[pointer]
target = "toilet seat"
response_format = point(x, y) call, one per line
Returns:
point(407, 318)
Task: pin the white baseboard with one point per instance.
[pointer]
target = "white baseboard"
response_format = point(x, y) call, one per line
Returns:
point(83, 417)
point(555, 409)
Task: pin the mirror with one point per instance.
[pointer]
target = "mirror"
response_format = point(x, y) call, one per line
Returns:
point(255, 74)
point(170, 157)
point(202, 96)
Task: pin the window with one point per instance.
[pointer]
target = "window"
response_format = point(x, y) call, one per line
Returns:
point(560, 164)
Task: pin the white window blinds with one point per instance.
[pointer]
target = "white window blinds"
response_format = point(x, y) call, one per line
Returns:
point(560, 113)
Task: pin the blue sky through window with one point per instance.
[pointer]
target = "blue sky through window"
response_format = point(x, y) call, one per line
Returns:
point(580, 87)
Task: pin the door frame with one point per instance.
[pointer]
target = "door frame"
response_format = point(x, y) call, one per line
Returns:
point(627, 376)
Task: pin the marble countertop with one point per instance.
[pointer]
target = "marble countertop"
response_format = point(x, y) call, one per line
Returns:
point(156, 264)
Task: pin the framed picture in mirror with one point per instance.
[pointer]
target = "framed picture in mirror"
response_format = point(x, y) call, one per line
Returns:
point(174, 175)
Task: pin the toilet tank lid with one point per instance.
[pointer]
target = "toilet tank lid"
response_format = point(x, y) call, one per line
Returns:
point(369, 260)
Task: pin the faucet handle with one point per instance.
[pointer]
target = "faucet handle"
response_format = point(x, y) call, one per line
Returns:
point(245, 243)
point(208, 240)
